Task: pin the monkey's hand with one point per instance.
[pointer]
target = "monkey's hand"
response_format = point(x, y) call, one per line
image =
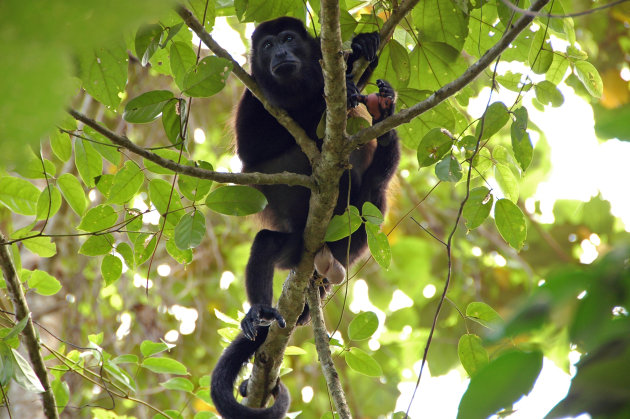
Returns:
point(352, 93)
point(260, 315)
point(364, 45)
point(382, 104)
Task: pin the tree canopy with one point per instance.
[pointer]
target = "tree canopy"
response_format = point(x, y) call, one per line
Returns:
point(125, 222)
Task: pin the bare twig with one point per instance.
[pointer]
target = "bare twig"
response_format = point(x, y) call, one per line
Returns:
point(30, 336)
point(284, 178)
point(323, 351)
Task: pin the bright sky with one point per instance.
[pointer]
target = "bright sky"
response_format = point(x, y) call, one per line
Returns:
point(582, 167)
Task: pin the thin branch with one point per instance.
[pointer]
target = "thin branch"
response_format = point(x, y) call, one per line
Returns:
point(284, 178)
point(386, 32)
point(30, 336)
point(526, 12)
point(323, 352)
point(304, 141)
point(449, 89)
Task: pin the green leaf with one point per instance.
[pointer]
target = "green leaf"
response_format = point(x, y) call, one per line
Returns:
point(363, 363)
point(208, 77)
point(24, 375)
point(483, 313)
point(61, 145)
point(125, 359)
point(183, 257)
point(172, 114)
point(16, 329)
point(495, 117)
point(111, 269)
point(590, 78)
point(89, 163)
point(442, 21)
point(126, 183)
point(183, 58)
point(378, 245)
point(19, 195)
point(540, 53)
point(521, 143)
point(104, 73)
point(442, 116)
point(472, 354)
point(126, 252)
point(147, 42)
point(146, 107)
point(143, 247)
point(44, 207)
point(510, 222)
point(225, 318)
point(294, 350)
point(164, 365)
point(511, 81)
point(31, 167)
point(477, 207)
point(500, 383)
point(236, 200)
point(41, 246)
point(165, 200)
point(372, 214)
point(194, 188)
point(97, 245)
point(507, 181)
point(43, 282)
point(72, 192)
point(363, 326)
point(99, 218)
point(433, 147)
point(190, 231)
point(548, 94)
point(103, 145)
point(343, 225)
point(400, 61)
point(448, 169)
point(172, 155)
point(179, 383)
point(61, 392)
point(149, 348)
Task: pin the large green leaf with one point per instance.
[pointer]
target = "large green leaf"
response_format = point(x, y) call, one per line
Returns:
point(500, 383)
point(236, 200)
point(19, 195)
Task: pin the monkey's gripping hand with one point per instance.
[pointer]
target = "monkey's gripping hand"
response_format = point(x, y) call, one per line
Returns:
point(364, 45)
point(260, 315)
point(382, 104)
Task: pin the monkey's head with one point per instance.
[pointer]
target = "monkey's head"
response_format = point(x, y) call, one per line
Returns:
point(285, 59)
point(280, 48)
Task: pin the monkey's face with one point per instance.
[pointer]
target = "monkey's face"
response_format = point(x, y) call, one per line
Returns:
point(279, 55)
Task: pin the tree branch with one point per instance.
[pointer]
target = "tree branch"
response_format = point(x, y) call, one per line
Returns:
point(284, 178)
point(323, 351)
point(20, 306)
point(326, 173)
point(304, 141)
point(449, 89)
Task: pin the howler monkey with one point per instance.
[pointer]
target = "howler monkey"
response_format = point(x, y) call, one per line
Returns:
point(285, 64)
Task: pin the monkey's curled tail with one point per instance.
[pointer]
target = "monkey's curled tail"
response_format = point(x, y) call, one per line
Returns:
point(225, 374)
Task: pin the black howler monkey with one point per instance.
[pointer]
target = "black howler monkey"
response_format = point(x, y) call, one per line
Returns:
point(285, 64)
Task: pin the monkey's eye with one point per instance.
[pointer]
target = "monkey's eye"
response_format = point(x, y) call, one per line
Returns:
point(266, 44)
point(288, 38)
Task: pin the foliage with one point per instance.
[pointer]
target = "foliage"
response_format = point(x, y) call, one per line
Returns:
point(132, 255)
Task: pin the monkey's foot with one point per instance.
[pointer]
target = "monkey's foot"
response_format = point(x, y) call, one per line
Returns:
point(329, 267)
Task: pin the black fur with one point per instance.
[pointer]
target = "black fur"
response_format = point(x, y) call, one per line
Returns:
point(285, 64)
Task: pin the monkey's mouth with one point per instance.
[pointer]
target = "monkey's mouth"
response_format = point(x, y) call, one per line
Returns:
point(285, 68)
